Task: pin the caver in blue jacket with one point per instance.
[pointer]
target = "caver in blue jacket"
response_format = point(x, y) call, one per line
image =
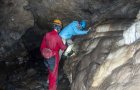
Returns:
point(73, 29)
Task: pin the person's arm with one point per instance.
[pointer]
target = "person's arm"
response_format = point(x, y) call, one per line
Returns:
point(78, 31)
point(61, 44)
point(43, 43)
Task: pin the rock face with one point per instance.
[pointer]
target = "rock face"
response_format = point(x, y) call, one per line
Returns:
point(109, 60)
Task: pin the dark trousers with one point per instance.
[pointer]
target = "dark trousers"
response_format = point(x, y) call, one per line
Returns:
point(50, 63)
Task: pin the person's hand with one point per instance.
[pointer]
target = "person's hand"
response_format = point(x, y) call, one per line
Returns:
point(89, 29)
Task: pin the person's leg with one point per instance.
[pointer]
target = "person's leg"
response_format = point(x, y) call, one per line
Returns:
point(53, 75)
point(50, 64)
point(46, 65)
point(69, 42)
point(69, 48)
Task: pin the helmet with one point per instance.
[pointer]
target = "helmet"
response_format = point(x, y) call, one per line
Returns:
point(57, 21)
point(83, 24)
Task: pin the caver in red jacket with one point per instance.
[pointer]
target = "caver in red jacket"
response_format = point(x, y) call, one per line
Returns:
point(54, 42)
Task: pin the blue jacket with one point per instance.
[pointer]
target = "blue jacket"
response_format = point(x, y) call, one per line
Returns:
point(72, 29)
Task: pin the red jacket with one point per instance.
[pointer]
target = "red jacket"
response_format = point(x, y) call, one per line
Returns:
point(53, 41)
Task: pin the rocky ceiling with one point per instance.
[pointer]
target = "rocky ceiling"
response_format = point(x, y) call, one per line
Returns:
point(91, 10)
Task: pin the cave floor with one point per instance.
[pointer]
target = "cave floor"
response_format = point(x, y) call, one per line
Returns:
point(25, 78)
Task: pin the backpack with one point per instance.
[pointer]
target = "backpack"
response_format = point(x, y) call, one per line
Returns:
point(47, 53)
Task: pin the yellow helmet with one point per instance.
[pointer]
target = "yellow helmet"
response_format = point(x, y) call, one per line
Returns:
point(57, 21)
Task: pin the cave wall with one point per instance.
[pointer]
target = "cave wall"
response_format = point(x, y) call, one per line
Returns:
point(14, 21)
point(107, 59)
